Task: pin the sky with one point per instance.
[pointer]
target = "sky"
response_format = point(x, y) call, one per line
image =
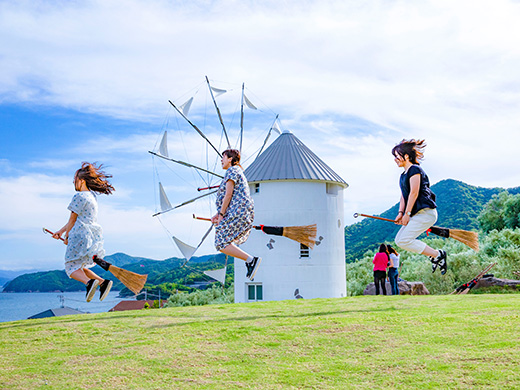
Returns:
point(91, 80)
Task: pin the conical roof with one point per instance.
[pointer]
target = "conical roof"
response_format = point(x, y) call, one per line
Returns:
point(287, 158)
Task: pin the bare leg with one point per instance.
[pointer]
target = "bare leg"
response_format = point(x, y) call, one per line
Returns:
point(430, 252)
point(234, 251)
point(80, 276)
point(92, 275)
point(83, 275)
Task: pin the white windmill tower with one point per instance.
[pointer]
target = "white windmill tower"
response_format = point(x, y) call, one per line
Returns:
point(291, 186)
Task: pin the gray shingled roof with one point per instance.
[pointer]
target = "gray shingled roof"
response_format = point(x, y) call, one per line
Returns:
point(287, 158)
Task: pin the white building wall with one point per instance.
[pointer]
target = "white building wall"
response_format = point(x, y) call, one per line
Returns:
point(282, 271)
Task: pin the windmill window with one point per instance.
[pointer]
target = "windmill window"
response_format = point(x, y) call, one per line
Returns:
point(304, 251)
point(254, 292)
point(257, 188)
point(332, 189)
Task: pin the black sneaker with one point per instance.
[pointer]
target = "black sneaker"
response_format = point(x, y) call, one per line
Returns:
point(435, 264)
point(91, 289)
point(104, 289)
point(253, 267)
point(442, 261)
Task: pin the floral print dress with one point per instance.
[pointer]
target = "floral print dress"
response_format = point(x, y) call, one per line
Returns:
point(86, 236)
point(238, 219)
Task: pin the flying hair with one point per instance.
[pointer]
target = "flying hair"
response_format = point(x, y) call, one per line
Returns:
point(413, 148)
point(95, 178)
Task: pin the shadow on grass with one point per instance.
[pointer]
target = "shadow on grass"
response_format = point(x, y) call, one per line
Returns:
point(80, 318)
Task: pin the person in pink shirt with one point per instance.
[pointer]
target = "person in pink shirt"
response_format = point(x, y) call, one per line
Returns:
point(380, 261)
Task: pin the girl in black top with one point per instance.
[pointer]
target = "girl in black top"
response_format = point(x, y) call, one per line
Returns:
point(417, 208)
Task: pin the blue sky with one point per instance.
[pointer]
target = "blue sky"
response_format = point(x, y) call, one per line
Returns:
point(91, 81)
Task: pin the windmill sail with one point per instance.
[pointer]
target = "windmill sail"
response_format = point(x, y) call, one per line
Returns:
point(249, 104)
point(187, 250)
point(185, 108)
point(217, 274)
point(165, 203)
point(218, 91)
point(163, 147)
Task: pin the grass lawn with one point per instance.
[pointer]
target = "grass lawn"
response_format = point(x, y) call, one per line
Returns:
point(402, 342)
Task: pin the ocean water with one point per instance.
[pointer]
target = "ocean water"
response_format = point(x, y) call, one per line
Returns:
point(20, 306)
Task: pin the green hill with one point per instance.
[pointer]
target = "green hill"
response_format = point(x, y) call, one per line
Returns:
point(401, 342)
point(459, 205)
point(164, 271)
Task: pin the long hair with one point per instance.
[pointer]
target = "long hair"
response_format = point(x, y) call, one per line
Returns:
point(234, 155)
point(392, 250)
point(95, 178)
point(383, 249)
point(413, 148)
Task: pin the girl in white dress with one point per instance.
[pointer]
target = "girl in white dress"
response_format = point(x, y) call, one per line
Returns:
point(83, 235)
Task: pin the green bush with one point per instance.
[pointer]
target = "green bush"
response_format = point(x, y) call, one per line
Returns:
point(502, 247)
point(210, 296)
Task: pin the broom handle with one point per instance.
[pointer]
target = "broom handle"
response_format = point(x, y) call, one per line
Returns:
point(51, 233)
point(201, 218)
point(209, 219)
point(373, 216)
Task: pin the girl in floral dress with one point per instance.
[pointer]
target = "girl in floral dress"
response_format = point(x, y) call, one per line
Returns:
point(235, 212)
point(83, 235)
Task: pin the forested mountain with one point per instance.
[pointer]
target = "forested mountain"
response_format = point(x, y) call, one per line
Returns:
point(169, 270)
point(459, 205)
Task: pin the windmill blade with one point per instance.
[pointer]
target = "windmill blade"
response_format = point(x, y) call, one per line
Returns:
point(217, 274)
point(187, 250)
point(184, 203)
point(185, 107)
point(163, 147)
point(186, 164)
point(165, 203)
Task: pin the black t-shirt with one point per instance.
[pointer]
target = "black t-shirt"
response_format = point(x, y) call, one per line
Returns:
point(425, 198)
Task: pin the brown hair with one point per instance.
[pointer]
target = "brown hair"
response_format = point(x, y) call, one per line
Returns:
point(391, 250)
point(234, 155)
point(95, 178)
point(413, 148)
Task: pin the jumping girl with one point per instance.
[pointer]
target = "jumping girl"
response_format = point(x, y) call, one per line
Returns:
point(83, 235)
point(235, 212)
point(417, 208)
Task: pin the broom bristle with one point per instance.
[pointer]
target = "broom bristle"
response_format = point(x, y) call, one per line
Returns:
point(305, 235)
point(134, 282)
point(468, 238)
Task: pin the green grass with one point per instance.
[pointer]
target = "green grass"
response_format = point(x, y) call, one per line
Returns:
point(404, 342)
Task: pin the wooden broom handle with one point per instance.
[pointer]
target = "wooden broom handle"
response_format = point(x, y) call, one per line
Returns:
point(201, 218)
point(373, 216)
point(51, 233)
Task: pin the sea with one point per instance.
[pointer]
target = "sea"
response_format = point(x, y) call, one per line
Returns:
point(20, 306)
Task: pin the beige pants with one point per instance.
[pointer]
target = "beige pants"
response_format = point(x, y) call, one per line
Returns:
point(406, 237)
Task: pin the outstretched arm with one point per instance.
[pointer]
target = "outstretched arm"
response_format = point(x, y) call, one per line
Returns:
point(66, 229)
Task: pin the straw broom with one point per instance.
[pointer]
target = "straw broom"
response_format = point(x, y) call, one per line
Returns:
point(466, 237)
point(134, 282)
point(305, 235)
point(464, 289)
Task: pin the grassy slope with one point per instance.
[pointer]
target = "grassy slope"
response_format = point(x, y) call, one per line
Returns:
point(429, 342)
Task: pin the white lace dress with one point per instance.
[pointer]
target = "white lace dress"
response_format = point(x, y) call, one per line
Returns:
point(86, 236)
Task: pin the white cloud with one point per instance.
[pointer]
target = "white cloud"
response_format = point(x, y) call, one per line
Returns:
point(350, 79)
